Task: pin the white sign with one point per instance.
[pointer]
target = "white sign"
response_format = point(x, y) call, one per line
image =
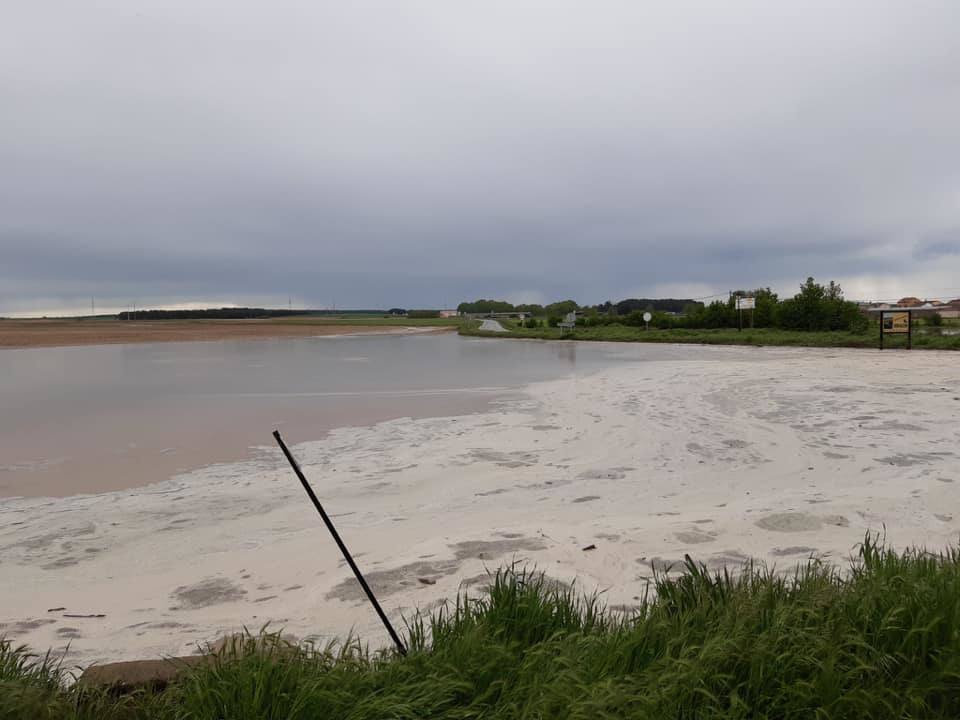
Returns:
point(746, 303)
point(647, 317)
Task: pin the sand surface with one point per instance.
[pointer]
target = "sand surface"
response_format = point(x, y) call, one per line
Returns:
point(777, 454)
point(61, 333)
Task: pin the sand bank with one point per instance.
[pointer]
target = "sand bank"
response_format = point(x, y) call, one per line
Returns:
point(64, 333)
point(777, 454)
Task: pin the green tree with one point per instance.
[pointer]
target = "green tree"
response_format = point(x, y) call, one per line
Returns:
point(531, 308)
point(817, 307)
point(561, 308)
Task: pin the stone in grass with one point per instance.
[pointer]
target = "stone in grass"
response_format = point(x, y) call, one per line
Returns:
point(122, 678)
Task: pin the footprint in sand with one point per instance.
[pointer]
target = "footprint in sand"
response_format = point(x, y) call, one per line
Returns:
point(793, 550)
point(211, 591)
point(799, 522)
point(694, 537)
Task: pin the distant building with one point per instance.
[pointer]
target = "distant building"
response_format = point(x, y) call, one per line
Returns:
point(448, 313)
point(950, 310)
point(920, 308)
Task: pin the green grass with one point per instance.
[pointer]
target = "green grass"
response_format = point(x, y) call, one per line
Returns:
point(922, 337)
point(881, 640)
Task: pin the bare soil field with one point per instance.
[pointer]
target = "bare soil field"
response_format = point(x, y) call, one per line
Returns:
point(60, 333)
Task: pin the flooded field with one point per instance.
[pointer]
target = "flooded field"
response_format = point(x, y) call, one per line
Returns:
point(97, 418)
point(439, 458)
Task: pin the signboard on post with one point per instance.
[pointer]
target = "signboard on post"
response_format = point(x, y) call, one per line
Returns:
point(647, 317)
point(896, 322)
point(569, 323)
point(745, 303)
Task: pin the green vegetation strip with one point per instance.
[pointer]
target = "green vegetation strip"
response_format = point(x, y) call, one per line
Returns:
point(881, 640)
point(760, 336)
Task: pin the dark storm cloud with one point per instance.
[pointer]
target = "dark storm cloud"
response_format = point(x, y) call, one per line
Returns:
point(418, 153)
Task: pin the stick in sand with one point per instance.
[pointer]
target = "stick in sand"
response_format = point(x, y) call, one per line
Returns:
point(343, 548)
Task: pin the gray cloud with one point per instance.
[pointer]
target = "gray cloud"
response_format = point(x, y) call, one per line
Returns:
point(938, 245)
point(419, 153)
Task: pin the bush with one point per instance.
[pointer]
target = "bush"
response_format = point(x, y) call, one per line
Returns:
point(662, 321)
point(935, 320)
point(720, 314)
point(422, 314)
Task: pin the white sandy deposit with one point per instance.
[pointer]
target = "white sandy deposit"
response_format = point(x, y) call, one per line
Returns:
point(777, 454)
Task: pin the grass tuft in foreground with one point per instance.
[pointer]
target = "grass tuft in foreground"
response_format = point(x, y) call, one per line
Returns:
point(881, 640)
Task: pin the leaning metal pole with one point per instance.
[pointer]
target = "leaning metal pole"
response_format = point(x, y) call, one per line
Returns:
point(343, 548)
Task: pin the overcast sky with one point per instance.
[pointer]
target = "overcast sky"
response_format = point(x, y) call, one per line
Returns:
point(413, 153)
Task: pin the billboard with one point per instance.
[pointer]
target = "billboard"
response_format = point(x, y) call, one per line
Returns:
point(745, 303)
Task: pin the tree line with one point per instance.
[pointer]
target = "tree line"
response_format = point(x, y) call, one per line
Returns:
point(207, 314)
point(815, 307)
point(563, 307)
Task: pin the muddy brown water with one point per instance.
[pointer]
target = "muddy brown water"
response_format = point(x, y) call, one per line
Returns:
point(89, 419)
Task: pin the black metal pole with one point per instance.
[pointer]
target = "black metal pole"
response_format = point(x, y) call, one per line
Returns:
point(343, 548)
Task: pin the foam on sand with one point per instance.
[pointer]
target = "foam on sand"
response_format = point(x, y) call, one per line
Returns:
point(776, 454)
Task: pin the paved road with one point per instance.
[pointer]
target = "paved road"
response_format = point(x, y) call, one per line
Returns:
point(492, 326)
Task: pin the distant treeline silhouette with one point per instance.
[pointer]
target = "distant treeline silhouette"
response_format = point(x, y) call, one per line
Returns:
point(208, 314)
point(243, 313)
